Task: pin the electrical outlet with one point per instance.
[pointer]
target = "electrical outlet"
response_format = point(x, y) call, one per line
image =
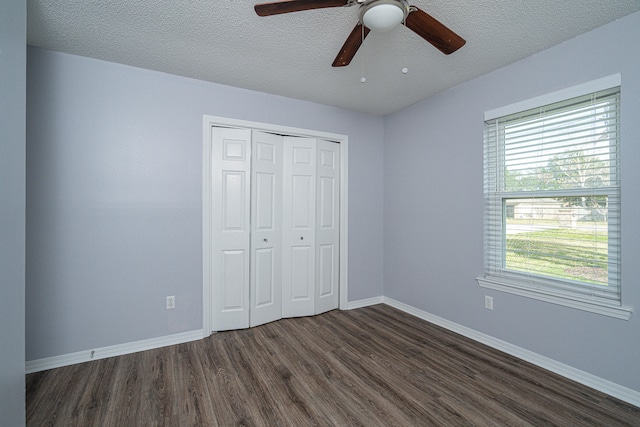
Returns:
point(171, 302)
point(488, 302)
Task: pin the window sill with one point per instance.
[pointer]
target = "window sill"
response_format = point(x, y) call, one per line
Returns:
point(623, 313)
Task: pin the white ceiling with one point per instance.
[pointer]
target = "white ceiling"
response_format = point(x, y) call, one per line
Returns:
point(224, 41)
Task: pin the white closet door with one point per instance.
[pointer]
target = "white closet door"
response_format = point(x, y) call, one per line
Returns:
point(231, 151)
point(299, 227)
point(328, 227)
point(266, 227)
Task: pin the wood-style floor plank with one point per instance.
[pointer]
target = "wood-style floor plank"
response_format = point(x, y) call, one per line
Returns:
point(374, 366)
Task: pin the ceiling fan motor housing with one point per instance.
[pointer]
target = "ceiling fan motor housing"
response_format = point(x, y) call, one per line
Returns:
point(383, 15)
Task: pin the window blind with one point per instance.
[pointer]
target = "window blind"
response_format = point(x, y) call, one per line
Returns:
point(552, 198)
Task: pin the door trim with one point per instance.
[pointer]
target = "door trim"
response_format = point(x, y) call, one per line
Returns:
point(207, 273)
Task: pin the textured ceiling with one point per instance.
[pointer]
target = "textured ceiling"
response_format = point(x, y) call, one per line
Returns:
point(224, 41)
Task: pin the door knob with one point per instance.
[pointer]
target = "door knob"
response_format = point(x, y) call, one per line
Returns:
point(301, 238)
point(266, 240)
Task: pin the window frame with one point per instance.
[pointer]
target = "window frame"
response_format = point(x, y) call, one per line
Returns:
point(557, 291)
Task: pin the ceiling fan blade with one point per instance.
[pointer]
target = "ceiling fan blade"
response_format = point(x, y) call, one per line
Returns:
point(351, 46)
point(286, 6)
point(433, 31)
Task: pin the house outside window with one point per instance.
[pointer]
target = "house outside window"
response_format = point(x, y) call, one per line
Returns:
point(552, 198)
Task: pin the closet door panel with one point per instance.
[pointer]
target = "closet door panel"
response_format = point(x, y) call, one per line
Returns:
point(328, 227)
point(299, 226)
point(266, 223)
point(302, 204)
point(265, 204)
point(326, 270)
point(231, 152)
point(301, 273)
point(233, 274)
point(264, 265)
point(234, 187)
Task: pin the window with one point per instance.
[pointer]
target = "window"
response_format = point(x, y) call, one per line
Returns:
point(552, 199)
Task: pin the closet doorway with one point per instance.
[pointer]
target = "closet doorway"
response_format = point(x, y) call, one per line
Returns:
point(275, 223)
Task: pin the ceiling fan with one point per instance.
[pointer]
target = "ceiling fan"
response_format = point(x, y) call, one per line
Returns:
point(376, 15)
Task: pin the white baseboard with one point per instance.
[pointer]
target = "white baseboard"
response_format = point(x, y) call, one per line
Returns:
point(364, 302)
point(133, 347)
point(612, 389)
point(111, 351)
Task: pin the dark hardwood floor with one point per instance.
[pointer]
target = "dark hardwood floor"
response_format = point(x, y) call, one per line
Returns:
point(373, 366)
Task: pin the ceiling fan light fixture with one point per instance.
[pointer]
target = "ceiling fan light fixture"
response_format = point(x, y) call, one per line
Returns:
point(383, 15)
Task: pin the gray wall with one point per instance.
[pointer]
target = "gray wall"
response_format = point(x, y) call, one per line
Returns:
point(114, 200)
point(13, 27)
point(433, 194)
